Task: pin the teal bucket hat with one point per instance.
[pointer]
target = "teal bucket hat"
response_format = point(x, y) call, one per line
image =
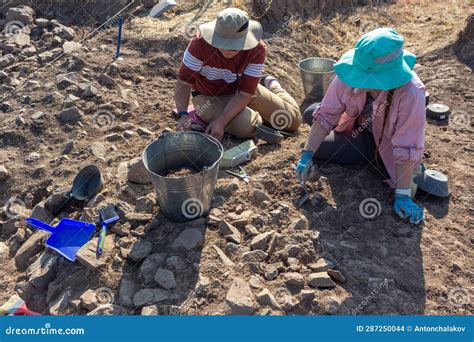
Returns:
point(378, 61)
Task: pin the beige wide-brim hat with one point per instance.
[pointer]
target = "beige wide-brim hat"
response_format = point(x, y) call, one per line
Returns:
point(232, 30)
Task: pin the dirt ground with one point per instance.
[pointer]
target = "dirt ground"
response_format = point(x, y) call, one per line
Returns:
point(389, 266)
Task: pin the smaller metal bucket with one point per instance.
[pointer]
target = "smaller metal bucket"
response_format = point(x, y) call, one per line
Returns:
point(185, 198)
point(317, 74)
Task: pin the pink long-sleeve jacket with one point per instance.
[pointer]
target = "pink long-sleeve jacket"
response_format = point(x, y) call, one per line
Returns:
point(404, 136)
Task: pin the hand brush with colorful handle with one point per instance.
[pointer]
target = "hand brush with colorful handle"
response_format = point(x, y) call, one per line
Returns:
point(107, 215)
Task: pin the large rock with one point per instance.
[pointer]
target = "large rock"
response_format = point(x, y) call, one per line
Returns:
point(23, 14)
point(299, 223)
point(42, 271)
point(31, 247)
point(60, 304)
point(230, 232)
point(320, 279)
point(239, 299)
point(294, 279)
point(261, 241)
point(321, 265)
point(6, 61)
point(146, 297)
point(127, 290)
point(265, 297)
point(254, 256)
point(165, 278)
point(137, 173)
point(89, 299)
point(87, 255)
point(149, 266)
point(189, 239)
point(140, 250)
point(70, 115)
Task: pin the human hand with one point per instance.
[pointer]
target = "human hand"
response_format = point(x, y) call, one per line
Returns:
point(407, 209)
point(184, 123)
point(304, 165)
point(216, 129)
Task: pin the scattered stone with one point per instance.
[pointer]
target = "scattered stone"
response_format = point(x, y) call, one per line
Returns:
point(87, 255)
point(320, 279)
point(271, 272)
point(127, 290)
point(294, 279)
point(137, 218)
point(265, 297)
point(144, 132)
point(60, 304)
point(294, 250)
point(254, 256)
point(306, 296)
point(42, 271)
point(4, 251)
point(331, 305)
point(137, 173)
point(70, 99)
point(321, 265)
point(89, 300)
point(4, 174)
point(107, 81)
point(70, 115)
point(40, 213)
point(149, 266)
point(337, 276)
point(258, 197)
point(23, 14)
point(33, 156)
point(230, 232)
point(144, 204)
point(6, 61)
point(255, 282)
point(64, 32)
point(70, 47)
point(89, 91)
point(239, 299)
point(30, 248)
point(140, 250)
point(150, 310)
point(143, 297)
point(165, 278)
point(188, 240)
point(172, 261)
point(113, 137)
point(261, 241)
point(224, 258)
point(68, 148)
point(108, 310)
point(299, 223)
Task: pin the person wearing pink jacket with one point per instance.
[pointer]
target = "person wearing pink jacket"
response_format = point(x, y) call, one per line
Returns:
point(373, 112)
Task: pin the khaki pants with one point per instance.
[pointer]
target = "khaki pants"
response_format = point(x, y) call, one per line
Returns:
point(275, 108)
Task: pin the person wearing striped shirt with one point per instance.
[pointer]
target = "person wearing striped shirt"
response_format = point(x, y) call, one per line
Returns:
point(222, 70)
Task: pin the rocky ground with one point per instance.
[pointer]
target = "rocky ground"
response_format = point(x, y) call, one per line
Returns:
point(65, 104)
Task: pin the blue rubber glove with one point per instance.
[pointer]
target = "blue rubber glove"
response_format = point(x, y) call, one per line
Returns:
point(406, 208)
point(305, 163)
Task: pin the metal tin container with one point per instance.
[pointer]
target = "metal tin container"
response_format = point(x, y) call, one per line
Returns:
point(185, 198)
point(317, 74)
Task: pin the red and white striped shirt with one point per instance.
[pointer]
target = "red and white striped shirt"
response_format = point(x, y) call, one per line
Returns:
point(212, 74)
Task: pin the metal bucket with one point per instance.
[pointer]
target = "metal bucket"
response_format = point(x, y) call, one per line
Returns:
point(317, 74)
point(185, 198)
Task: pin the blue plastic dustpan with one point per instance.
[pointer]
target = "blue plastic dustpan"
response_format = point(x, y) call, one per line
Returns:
point(67, 237)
